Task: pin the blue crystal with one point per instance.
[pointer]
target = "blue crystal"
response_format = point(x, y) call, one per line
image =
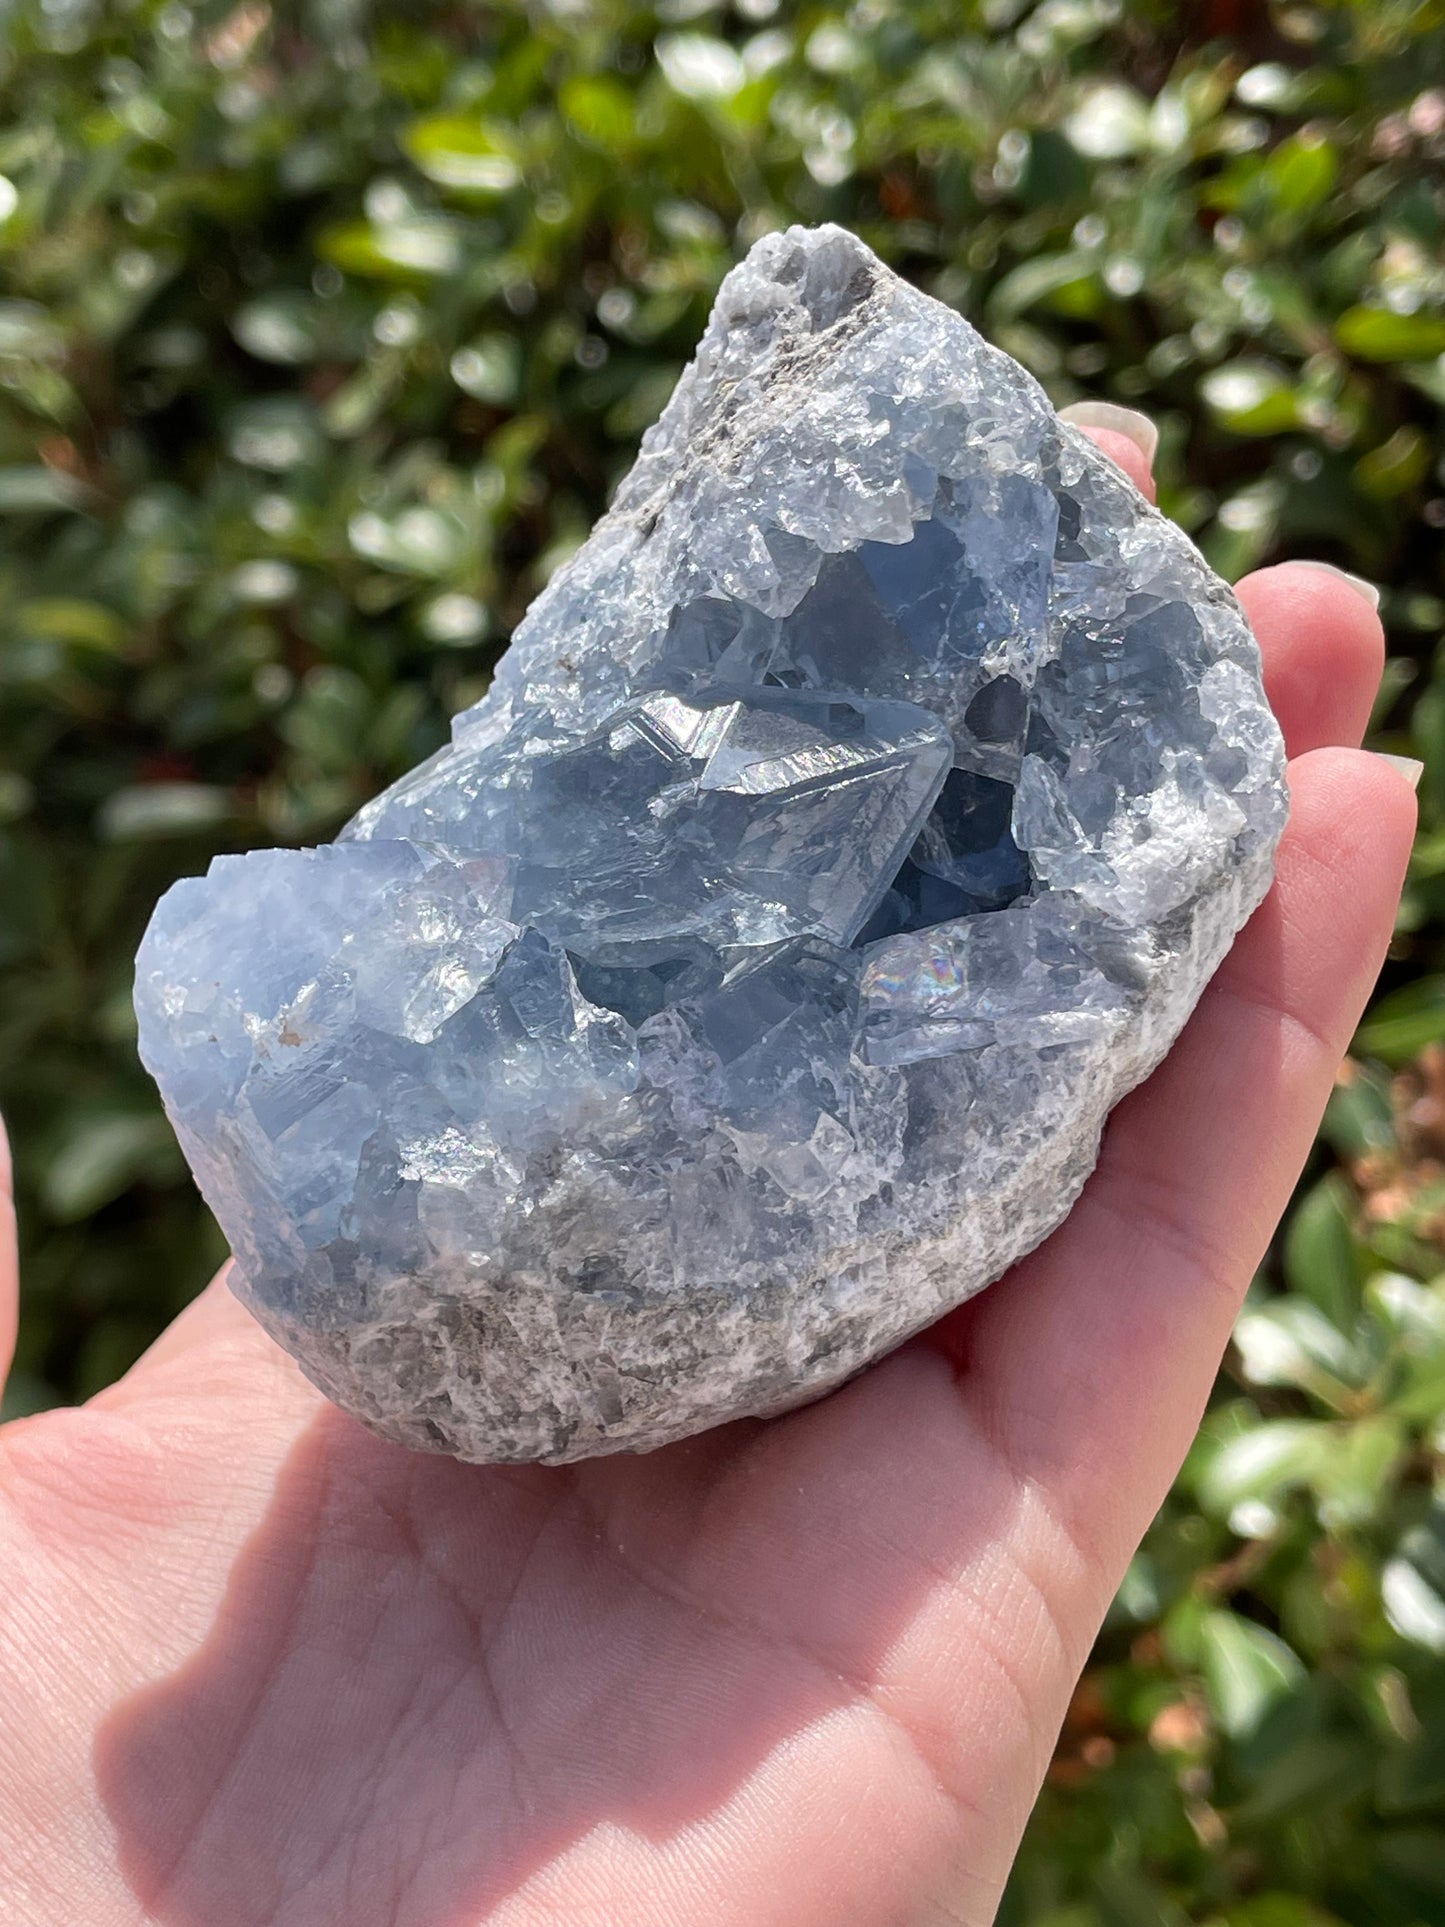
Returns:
point(713, 820)
point(851, 821)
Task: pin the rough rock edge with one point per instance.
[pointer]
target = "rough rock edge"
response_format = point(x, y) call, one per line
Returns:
point(986, 1241)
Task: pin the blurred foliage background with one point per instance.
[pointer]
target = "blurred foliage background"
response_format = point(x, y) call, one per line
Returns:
point(323, 335)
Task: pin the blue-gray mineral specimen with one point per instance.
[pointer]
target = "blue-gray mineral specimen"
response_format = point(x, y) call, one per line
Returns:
point(850, 824)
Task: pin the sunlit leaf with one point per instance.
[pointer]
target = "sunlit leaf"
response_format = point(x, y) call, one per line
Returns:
point(279, 327)
point(26, 490)
point(1246, 1669)
point(1047, 278)
point(277, 432)
point(489, 368)
point(600, 109)
point(424, 246)
point(1264, 1462)
point(1252, 397)
point(1379, 334)
point(1301, 172)
point(699, 66)
point(1412, 1585)
point(457, 152)
point(1110, 121)
point(1291, 1343)
point(162, 809)
point(419, 541)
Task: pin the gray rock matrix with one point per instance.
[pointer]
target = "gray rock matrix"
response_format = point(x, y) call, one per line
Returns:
point(851, 823)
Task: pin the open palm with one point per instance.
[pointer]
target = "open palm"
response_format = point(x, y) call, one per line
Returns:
point(257, 1667)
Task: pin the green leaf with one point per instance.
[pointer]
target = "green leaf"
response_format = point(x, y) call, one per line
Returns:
point(419, 248)
point(279, 328)
point(600, 109)
point(277, 433)
point(1396, 466)
point(1279, 1910)
point(1245, 528)
point(1321, 1258)
point(489, 369)
point(1301, 172)
point(419, 541)
point(1110, 121)
point(1246, 1669)
point(1291, 1342)
point(17, 796)
point(1045, 278)
point(1412, 1774)
point(1318, 1778)
point(28, 329)
point(458, 152)
point(85, 625)
point(103, 1154)
point(1414, 1312)
point(1412, 1584)
point(1251, 397)
point(37, 491)
point(700, 67)
point(1356, 1481)
point(644, 401)
point(1263, 1463)
point(146, 810)
point(1129, 1899)
point(1360, 1118)
point(1403, 1022)
point(1379, 334)
point(357, 403)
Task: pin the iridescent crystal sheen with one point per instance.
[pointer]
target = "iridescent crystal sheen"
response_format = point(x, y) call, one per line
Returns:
point(851, 822)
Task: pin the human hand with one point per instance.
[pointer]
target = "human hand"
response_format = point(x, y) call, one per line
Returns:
point(258, 1667)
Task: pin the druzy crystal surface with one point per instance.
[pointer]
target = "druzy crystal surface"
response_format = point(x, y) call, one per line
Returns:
point(850, 823)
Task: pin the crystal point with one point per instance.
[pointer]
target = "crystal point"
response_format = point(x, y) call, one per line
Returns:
point(851, 822)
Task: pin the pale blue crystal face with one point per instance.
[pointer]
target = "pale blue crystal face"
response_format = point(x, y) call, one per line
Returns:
point(688, 822)
point(849, 824)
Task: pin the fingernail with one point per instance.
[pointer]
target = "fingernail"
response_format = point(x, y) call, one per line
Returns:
point(1124, 421)
point(1369, 590)
point(1410, 767)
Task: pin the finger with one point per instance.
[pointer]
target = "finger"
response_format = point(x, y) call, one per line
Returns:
point(9, 1260)
point(1090, 1365)
point(1126, 437)
point(213, 1354)
point(1323, 647)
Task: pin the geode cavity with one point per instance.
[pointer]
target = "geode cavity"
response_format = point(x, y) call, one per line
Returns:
point(850, 824)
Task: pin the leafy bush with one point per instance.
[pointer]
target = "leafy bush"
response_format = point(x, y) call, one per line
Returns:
point(322, 337)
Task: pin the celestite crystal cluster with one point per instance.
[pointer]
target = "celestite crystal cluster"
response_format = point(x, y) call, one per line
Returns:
point(850, 824)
